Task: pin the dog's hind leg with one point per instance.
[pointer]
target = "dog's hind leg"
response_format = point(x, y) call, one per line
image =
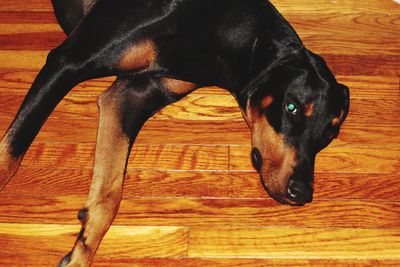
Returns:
point(66, 66)
point(123, 110)
point(97, 48)
point(55, 80)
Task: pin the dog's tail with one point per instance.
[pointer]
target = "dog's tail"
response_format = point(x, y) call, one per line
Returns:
point(70, 12)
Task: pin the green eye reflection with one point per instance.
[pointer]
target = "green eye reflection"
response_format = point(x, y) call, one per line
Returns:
point(292, 108)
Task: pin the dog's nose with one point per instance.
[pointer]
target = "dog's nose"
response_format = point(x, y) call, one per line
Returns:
point(299, 192)
point(256, 159)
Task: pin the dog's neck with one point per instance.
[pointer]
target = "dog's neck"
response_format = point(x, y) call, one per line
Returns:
point(276, 44)
point(266, 57)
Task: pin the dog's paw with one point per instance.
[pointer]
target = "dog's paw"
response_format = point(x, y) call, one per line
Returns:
point(71, 261)
point(65, 260)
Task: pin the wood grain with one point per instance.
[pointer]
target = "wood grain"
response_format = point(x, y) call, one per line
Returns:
point(297, 243)
point(340, 64)
point(372, 65)
point(119, 242)
point(159, 211)
point(337, 6)
point(381, 87)
point(335, 159)
point(334, 23)
point(214, 157)
point(355, 23)
point(161, 157)
point(217, 262)
point(319, 43)
point(203, 107)
point(341, 6)
point(22, 260)
point(191, 196)
point(24, 16)
point(221, 184)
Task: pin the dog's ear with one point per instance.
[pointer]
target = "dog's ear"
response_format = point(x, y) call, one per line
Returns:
point(346, 101)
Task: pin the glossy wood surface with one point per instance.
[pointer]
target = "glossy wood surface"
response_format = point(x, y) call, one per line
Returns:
point(191, 196)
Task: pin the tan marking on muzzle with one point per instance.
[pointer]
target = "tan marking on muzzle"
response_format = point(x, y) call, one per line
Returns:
point(177, 86)
point(139, 56)
point(278, 158)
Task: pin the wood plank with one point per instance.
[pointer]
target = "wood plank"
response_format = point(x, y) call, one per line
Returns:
point(28, 17)
point(332, 23)
point(344, 24)
point(372, 135)
point(35, 261)
point(33, 5)
point(380, 87)
point(149, 183)
point(335, 159)
point(246, 262)
point(154, 132)
point(350, 45)
point(208, 107)
point(32, 41)
point(207, 212)
point(341, 44)
point(19, 81)
point(156, 157)
point(372, 87)
point(285, 6)
point(119, 242)
point(192, 107)
point(327, 186)
point(294, 242)
point(179, 176)
point(204, 132)
point(337, 6)
point(32, 60)
point(340, 64)
point(363, 65)
point(22, 28)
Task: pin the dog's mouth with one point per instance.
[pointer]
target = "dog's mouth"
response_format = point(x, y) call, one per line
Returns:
point(278, 198)
point(257, 163)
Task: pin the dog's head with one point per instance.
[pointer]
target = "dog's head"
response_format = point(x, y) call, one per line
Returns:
point(294, 112)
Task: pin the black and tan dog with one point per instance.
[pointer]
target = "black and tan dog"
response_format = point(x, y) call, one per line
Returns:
point(162, 50)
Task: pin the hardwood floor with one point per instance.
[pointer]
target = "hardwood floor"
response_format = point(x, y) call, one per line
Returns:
point(191, 196)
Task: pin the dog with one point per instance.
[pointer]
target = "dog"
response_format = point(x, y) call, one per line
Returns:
point(161, 51)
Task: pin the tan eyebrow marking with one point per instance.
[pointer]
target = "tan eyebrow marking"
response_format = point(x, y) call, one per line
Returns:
point(337, 120)
point(267, 101)
point(309, 109)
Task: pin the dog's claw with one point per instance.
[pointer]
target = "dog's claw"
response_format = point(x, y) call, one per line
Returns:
point(65, 260)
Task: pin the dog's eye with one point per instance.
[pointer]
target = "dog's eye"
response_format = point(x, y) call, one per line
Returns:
point(292, 108)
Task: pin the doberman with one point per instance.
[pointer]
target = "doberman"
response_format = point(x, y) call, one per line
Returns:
point(162, 50)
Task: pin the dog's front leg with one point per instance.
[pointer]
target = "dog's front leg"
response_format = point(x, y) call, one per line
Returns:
point(123, 110)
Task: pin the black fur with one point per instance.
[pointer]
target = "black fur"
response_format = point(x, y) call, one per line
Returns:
point(246, 47)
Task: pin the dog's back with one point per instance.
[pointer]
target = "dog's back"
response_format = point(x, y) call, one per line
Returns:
point(70, 12)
